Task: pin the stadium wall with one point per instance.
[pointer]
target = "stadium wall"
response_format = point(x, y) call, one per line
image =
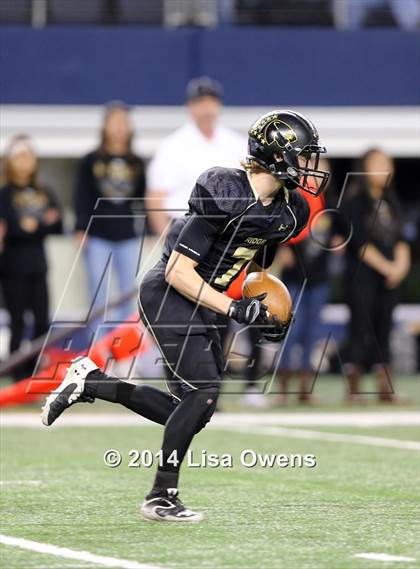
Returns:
point(257, 66)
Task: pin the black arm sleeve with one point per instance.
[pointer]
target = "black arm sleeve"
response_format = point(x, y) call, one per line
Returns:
point(196, 237)
point(265, 256)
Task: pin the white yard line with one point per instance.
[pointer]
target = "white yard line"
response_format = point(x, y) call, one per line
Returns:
point(323, 436)
point(383, 557)
point(252, 423)
point(21, 482)
point(322, 419)
point(300, 419)
point(66, 553)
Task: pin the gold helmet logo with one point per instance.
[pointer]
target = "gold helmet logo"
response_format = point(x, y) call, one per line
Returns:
point(271, 130)
point(277, 131)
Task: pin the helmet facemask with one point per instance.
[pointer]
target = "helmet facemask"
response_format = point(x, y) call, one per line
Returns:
point(298, 169)
point(302, 170)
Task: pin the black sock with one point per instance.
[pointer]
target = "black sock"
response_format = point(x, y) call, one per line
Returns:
point(188, 418)
point(163, 480)
point(144, 400)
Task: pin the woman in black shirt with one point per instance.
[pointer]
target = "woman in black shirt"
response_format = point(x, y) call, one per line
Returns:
point(28, 213)
point(378, 259)
point(109, 178)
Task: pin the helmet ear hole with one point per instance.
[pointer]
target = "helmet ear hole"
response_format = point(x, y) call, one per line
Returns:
point(278, 157)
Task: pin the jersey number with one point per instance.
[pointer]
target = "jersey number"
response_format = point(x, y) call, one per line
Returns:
point(243, 254)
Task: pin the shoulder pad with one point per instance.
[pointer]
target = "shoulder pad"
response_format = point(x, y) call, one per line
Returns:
point(221, 191)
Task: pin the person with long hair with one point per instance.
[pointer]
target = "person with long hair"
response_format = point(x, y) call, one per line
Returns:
point(108, 179)
point(377, 261)
point(28, 213)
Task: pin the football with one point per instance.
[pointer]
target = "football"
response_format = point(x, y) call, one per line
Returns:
point(278, 298)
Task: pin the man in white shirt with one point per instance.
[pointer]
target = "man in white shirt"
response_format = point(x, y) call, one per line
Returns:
point(183, 156)
point(200, 144)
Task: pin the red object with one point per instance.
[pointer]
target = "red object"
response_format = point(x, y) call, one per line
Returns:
point(316, 204)
point(235, 289)
point(127, 340)
point(34, 388)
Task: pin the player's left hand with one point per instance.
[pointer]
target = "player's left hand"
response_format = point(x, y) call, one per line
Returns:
point(276, 331)
point(249, 310)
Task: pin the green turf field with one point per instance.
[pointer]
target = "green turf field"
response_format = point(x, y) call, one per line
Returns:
point(358, 499)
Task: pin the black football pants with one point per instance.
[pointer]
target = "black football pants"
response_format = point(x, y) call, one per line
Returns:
point(190, 344)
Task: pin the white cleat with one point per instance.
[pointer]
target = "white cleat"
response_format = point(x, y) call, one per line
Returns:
point(69, 391)
point(169, 508)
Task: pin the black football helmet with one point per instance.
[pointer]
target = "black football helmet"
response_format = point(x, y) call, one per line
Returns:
point(287, 145)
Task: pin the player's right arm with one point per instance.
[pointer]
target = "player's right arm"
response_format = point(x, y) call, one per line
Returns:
point(213, 203)
point(205, 222)
point(181, 274)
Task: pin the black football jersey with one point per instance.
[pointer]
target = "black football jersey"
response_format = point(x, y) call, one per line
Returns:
point(227, 225)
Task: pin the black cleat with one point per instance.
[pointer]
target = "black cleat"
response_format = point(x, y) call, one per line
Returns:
point(169, 508)
point(69, 391)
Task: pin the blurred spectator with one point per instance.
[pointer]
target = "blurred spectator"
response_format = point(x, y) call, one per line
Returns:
point(108, 178)
point(351, 14)
point(199, 12)
point(284, 12)
point(226, 11)
point(197, 146)
point(28, 213)
point(378, 260)
point(308, 259)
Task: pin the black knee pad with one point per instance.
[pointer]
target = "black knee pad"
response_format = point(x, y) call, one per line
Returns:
point(205, 400)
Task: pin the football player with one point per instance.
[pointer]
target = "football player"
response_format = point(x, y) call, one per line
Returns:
point(236, 217)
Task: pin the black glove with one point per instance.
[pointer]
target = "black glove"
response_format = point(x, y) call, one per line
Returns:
point(276, 331)
point(249, 310)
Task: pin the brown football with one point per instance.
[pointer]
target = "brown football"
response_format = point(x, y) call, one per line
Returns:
point(278, 297)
